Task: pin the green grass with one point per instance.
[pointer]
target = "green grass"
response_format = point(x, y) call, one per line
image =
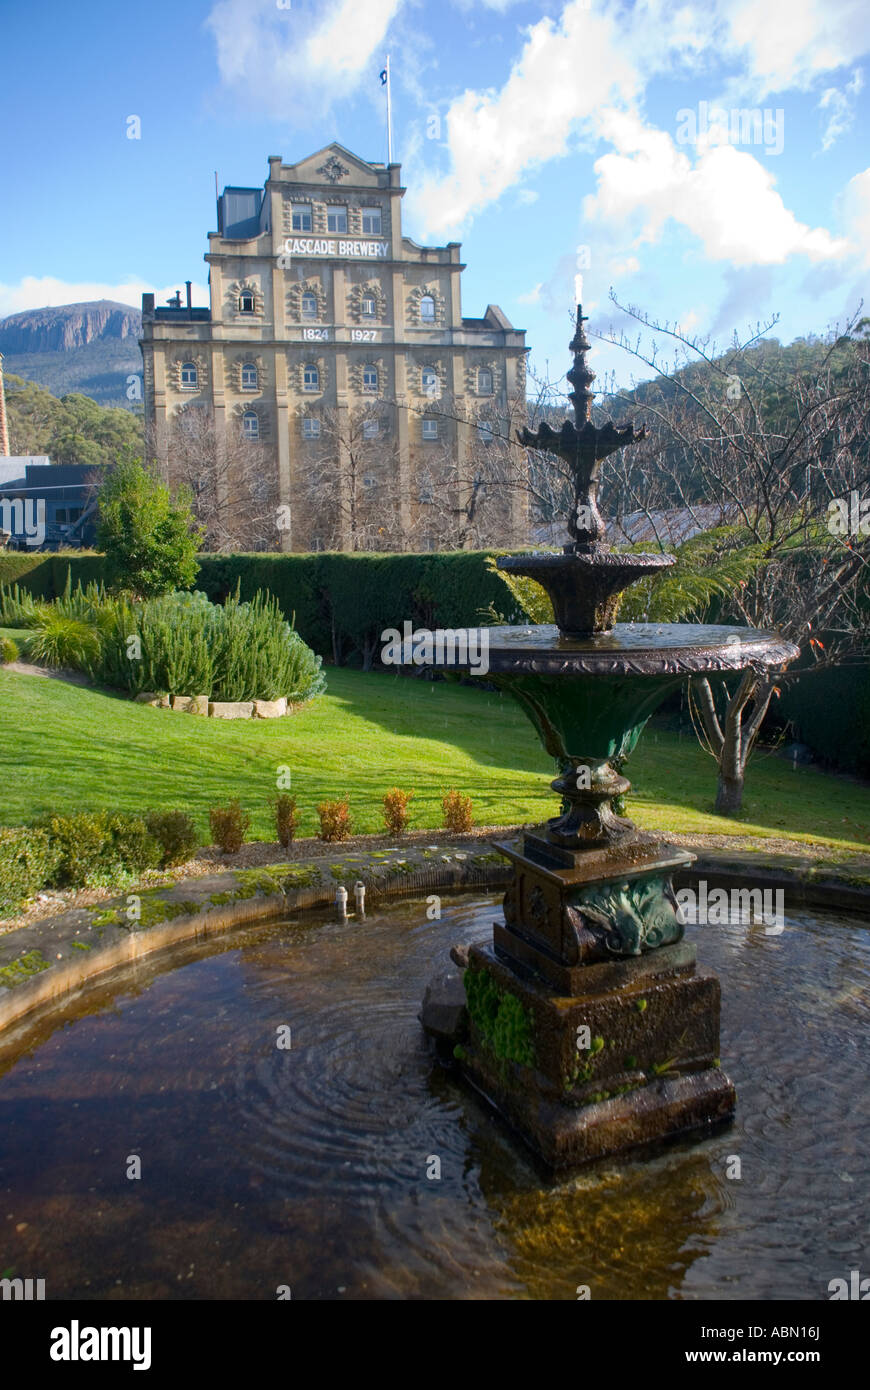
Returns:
point(68, 748)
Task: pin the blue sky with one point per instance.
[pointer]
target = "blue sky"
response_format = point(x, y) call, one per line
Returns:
point(525, 131)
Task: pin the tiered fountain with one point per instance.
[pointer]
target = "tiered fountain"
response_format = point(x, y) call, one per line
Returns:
point(589, 1025)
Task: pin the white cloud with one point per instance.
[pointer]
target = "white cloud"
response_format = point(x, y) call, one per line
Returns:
point(839, 103)
point(493, 137)
point(629, 265)
point(298, 61)
point(787, 44)
point(38, 292)
point(532, 296)
point(855, 209)
point(726, 198)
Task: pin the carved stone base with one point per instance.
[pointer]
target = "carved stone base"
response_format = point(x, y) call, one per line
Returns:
point(631, 1059)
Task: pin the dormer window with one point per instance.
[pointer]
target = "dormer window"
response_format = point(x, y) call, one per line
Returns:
point(427, 309)
point(246, 302)
point(336, 219)
point(189, 376)
point(249, 376)
point(309, 305)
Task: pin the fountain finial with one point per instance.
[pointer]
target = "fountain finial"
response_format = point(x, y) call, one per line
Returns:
point(580, 376)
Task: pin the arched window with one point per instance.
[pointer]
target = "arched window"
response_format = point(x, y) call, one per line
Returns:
point(484, 381)
point(310, 377)
point(430, 429)
point(189, 376)
point(310, 427)
point(309, 305)
point(249, 376)
point(250, 425)
point(370, 378)
point(246, 302)
point(429, 381)
point(427, 309)
point(369, 307)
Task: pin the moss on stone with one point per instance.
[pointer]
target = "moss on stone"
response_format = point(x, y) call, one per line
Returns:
point(499, 1018)
point(24, 968)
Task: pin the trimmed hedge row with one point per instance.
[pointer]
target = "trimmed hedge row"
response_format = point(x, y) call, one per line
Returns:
point(830, 711)
point(338, 603)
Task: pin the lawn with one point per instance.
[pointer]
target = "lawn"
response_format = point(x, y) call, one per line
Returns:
point(66, 748)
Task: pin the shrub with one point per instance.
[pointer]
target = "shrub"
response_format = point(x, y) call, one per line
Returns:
point(335, 821)
point(149, 537)
point(98, 844)
point(396, 810)
point(457, 811)
point(8, 650)
point(286, 818)
point(18, 608)
point(175, 833)
point(27, 861)
point(58, 640)
point(189, 646)
point(229, 826)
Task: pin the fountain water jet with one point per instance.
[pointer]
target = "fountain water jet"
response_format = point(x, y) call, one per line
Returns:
point(588, 1023)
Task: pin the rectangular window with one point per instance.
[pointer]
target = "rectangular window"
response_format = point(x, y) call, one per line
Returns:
point(60, 515)
point(370, 429)
point(310, 428)
point(371, 221)
point(336, 219)
point(301, 217)
point(430, 429)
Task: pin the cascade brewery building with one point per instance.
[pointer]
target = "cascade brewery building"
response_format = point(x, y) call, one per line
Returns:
point(332, 396)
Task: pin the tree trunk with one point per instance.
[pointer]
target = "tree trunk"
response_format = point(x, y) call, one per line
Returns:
point(729, 794)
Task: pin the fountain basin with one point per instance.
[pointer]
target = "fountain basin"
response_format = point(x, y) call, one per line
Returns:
point(308, 1167)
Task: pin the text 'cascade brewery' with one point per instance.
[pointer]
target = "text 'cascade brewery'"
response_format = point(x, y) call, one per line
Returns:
point(332, 384)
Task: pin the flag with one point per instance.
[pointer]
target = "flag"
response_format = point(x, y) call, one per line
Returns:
point(383, 77)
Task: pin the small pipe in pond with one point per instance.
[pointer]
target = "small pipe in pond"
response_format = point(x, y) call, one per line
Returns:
point(341, 903)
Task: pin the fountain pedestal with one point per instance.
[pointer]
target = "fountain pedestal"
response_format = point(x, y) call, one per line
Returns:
point(584, 1051)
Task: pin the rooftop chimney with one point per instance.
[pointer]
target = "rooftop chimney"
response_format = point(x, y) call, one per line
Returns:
point(187, 283)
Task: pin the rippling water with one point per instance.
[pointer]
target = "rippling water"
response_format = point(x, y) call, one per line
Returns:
point(264, 1167)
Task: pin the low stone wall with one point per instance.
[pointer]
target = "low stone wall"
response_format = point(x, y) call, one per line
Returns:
point(217, 709)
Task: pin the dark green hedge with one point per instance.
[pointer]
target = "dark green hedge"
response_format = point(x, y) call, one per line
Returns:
point(339, 603)
point(830, 712)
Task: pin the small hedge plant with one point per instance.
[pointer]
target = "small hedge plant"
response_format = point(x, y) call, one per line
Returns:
point(335, 821)
point(27, 861)
point(457, 812)
point(229, 826)
point(396, 810)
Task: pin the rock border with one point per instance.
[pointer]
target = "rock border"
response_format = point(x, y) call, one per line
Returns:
point(44, 965)
point(216, 709)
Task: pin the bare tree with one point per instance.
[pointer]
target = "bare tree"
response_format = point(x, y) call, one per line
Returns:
point(350, 489)
point(774, 451)
point(232, 479)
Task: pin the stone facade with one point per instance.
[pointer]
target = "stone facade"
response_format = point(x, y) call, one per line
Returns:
point(336, 343)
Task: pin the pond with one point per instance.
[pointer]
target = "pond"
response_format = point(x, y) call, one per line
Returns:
point(316, 1167)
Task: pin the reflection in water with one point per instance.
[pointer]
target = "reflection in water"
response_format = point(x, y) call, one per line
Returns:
point(308, 1167)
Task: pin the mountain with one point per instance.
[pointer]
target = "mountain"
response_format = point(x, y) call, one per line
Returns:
point(89, 348)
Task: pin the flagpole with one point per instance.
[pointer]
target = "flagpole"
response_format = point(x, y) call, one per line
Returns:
point(389, 116)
